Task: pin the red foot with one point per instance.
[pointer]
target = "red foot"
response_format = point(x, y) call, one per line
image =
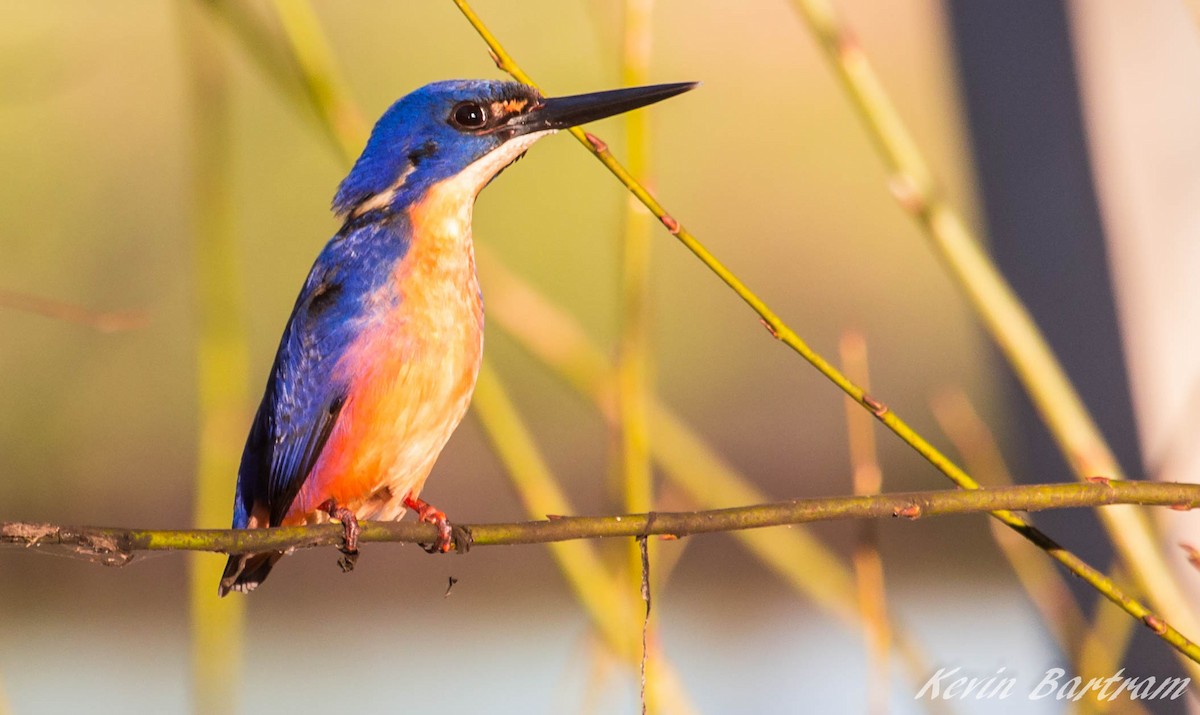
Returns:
point(350, 527)
point(429, 515)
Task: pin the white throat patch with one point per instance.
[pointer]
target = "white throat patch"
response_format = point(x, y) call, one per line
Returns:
point(447, 207)
point(471, 180)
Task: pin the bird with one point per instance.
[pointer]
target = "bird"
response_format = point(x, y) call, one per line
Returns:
point(378, 359)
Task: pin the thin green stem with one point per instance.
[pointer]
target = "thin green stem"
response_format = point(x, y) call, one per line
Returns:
point(1002, 312)
point(633, 363)
point(633, 353)
point(221, 370)
point(258, 39)
point(327, 90)
point(785, 334)
point(1104, 646)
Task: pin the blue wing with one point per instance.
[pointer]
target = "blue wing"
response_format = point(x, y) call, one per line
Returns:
point(304, 393)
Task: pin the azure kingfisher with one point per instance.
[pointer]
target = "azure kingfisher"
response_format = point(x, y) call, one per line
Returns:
point(379, 358)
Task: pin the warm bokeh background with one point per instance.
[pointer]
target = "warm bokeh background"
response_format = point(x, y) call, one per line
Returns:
point(766, 163)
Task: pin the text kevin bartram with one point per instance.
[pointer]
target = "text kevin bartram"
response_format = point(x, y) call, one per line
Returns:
point(955, 684)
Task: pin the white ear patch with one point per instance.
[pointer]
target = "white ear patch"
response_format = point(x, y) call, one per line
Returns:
point(383, 198)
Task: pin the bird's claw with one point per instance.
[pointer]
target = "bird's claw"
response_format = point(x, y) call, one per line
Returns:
point(451, 538)
point(445, 538)
point(350, 531)
point(447, 534)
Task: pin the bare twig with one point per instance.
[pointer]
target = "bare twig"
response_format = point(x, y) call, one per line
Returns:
point(103, 321)
point(116, 546)
point(644, 552)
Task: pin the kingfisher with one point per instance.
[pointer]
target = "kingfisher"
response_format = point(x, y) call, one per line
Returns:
point(378, 360)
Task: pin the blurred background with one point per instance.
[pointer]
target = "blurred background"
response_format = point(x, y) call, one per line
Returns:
point(167, 172)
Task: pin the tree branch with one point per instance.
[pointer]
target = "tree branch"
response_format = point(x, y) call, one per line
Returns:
point(114, 546)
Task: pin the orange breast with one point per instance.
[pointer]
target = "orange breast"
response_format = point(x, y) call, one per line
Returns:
point(412, 371)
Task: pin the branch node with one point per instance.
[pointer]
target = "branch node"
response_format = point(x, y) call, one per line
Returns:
point(904, 188)
point(770, 328)
point(848, 49)
point(671, 224)
point(645, 553)
point(877, 408)
point(598, 144)
point(912, 511)
point(1155, 623)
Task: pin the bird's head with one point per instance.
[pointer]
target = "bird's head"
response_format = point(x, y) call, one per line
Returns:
point(469, 129)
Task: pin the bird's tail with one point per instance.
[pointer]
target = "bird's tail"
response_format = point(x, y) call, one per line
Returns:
point(243, 572)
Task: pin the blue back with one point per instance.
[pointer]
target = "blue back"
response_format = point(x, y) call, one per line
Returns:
point(304, 393)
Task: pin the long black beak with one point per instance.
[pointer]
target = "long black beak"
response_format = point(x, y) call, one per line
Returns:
point(564, 112)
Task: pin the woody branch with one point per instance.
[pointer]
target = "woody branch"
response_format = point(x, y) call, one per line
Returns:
point(116, 546)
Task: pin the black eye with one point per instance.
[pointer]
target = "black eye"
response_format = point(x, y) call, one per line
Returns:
point(469, 115)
